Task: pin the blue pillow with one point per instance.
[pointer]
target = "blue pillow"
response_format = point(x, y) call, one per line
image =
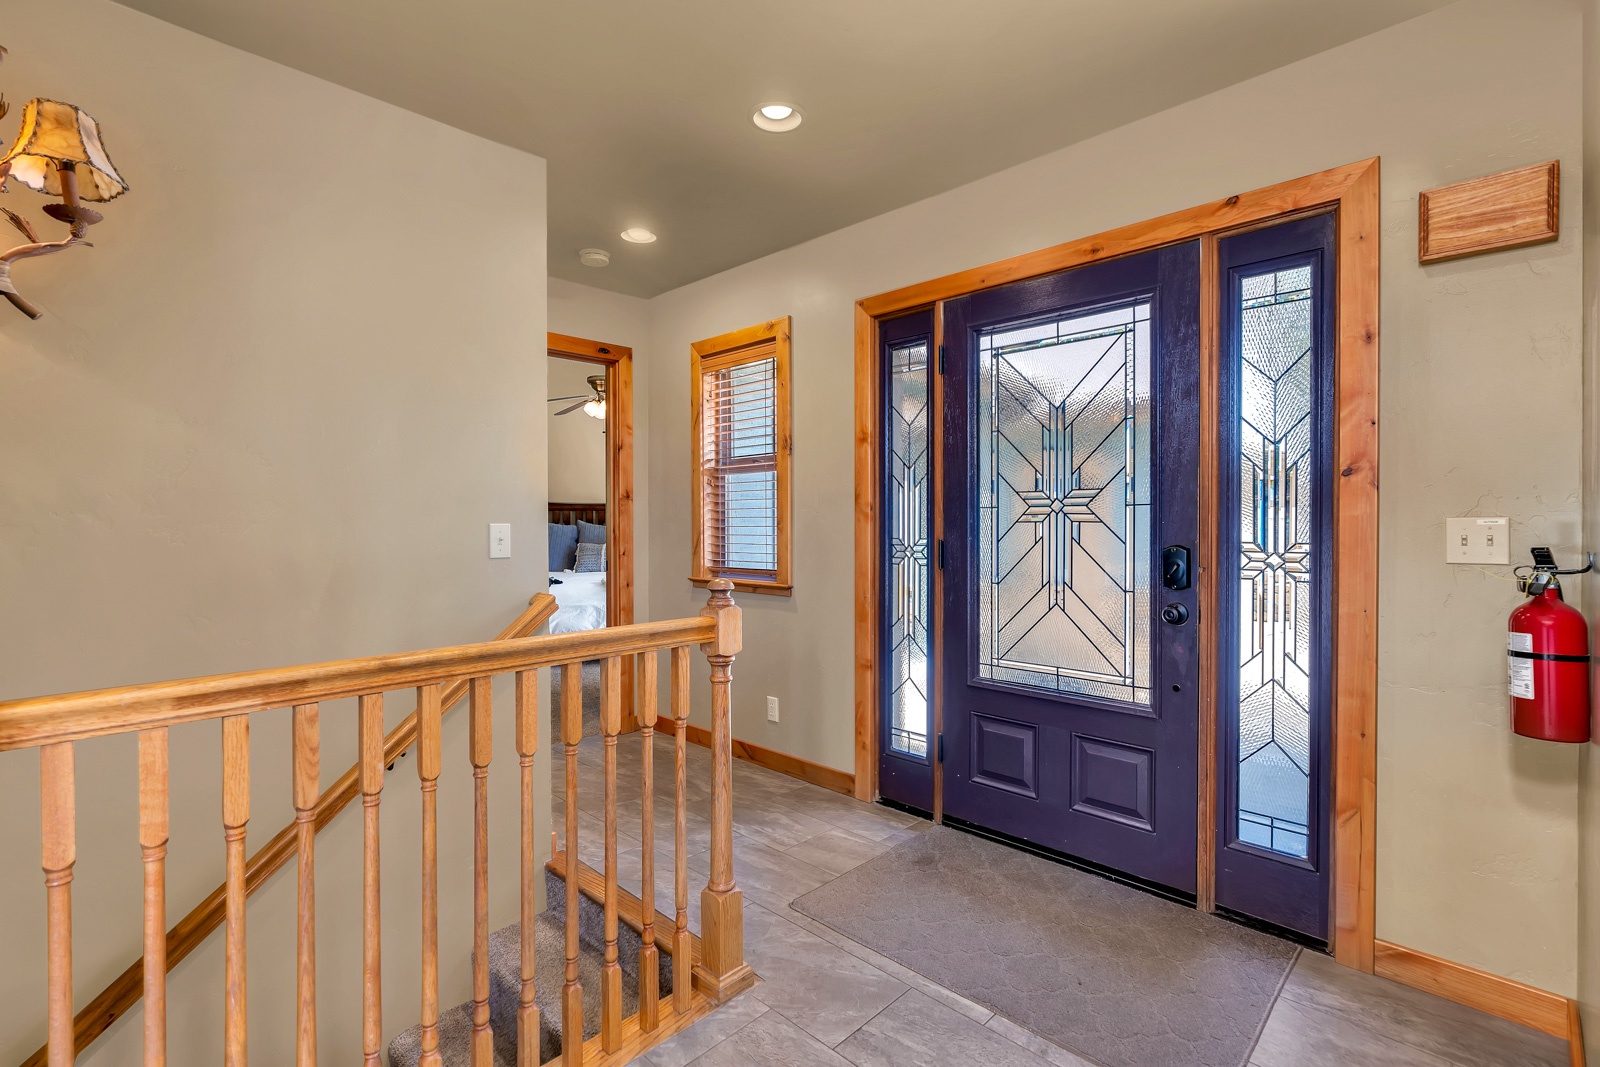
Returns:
point(563, 546)
point(590, 533)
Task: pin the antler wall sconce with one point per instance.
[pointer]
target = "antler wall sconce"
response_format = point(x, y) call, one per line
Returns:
point(58, 152)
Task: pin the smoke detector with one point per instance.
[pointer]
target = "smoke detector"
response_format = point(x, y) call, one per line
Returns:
point(594, 257)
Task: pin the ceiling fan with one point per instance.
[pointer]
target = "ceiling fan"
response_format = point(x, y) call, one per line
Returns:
point(593, 405)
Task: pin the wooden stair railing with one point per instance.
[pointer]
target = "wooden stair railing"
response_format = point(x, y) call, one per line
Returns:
point(53, 724)
point(312, 814)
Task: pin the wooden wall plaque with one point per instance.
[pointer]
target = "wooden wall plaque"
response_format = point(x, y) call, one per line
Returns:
point(1507, 210)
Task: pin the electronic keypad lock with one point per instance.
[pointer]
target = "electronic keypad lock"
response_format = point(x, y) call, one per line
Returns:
point(1175, 567)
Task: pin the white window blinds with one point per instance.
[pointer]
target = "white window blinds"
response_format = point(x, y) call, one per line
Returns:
point(739, 463)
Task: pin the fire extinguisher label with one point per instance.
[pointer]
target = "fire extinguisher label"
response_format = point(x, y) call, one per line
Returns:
point(1519, 672)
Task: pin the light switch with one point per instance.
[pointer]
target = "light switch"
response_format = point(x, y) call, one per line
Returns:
point(1476, 540)
point(499, 540)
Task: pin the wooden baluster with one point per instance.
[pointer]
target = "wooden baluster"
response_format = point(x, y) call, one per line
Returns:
point(153, 833)
point(235, 815)
point(722, 972)
point(307, 788)
point(682, 983)
point(572, 989)
point(370, 740)
point(58, 803)
point(527, 745)
point(649, 961)
point(429, 734)
point(610, 969)
point(479, 742)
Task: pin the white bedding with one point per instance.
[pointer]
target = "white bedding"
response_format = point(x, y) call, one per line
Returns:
point(580, 601)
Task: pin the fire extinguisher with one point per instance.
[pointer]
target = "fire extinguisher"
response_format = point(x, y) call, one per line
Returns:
point(1547, 658)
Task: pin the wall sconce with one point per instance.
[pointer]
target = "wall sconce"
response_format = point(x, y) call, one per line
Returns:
point(58, 152)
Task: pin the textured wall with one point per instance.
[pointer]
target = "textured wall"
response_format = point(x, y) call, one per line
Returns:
point(1589, 874)
point(265, 421)
point(1477, 830)
point(596, 315)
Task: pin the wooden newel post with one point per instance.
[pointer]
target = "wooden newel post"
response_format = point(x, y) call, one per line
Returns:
point(722, 972)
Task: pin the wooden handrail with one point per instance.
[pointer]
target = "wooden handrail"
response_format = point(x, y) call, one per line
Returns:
point(126, 990)
point(37, 721)
point(441, 677)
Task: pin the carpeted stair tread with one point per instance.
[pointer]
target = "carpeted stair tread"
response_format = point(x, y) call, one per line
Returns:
point(505, 985)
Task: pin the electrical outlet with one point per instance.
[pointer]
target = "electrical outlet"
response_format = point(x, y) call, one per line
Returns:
point(499, 540)
point(1476, 540)
point(772, 709)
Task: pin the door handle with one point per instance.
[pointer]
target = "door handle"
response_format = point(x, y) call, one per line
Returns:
point(1175, 567)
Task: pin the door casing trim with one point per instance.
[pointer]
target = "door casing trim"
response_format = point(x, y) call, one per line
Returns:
point(1351, 192)
point(618, 363)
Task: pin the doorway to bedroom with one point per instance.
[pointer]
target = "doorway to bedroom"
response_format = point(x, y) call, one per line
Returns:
point(590, 470)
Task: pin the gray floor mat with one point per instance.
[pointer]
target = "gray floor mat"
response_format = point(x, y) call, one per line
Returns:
point(1108, 971)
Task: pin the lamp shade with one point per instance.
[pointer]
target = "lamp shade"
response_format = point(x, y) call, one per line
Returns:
point(54, 134)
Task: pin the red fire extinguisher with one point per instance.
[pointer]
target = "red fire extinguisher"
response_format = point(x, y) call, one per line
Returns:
point(1547, 659)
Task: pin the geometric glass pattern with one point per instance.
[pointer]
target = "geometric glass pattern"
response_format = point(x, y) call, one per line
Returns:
point(909, 521)
point(1275, 531)
point(1064, 473)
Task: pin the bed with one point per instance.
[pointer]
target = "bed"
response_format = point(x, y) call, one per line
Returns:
point(580, 596)
point(580, 601)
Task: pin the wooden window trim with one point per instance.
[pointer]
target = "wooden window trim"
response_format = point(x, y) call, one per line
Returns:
point(1352, 191)
point(726, 350)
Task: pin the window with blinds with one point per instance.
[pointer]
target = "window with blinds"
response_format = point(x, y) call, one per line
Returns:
point(741, 457)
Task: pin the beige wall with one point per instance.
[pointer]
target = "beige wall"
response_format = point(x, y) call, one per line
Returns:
point(1589, 874)
point(613, 318)
point(266, 420)
point(1477, 829)
point(577, 449)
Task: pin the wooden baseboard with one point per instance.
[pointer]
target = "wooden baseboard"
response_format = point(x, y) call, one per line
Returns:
point(1575, 1033)
point(783, 763)
point(1504, 997)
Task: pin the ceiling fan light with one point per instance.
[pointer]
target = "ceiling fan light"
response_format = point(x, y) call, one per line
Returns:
point(595, 409)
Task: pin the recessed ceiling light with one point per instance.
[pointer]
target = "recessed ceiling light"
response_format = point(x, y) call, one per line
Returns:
point(777, 118)
point(638, 235)
point(594, 257)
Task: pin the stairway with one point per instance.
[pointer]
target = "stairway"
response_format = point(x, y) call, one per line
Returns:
point(505, 985)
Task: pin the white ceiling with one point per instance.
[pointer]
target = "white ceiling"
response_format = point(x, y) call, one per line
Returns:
point(642, 107)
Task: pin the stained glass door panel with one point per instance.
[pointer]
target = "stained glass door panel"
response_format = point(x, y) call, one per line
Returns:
point(1276, 491)
point(908, 514)
point(1275, 559)
point(1064, 503)
point(1070, 458)
point(906, 742)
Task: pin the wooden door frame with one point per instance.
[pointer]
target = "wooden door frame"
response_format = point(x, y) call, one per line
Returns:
point(1351, 192)
point(618, 363)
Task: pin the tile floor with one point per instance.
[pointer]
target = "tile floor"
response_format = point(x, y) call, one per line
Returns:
point(826, 1001)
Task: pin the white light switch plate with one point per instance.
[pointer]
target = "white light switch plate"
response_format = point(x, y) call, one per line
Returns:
point(1476, 540)
point(499, 540)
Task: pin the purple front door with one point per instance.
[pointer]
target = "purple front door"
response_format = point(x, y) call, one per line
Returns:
point(1071, 460)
